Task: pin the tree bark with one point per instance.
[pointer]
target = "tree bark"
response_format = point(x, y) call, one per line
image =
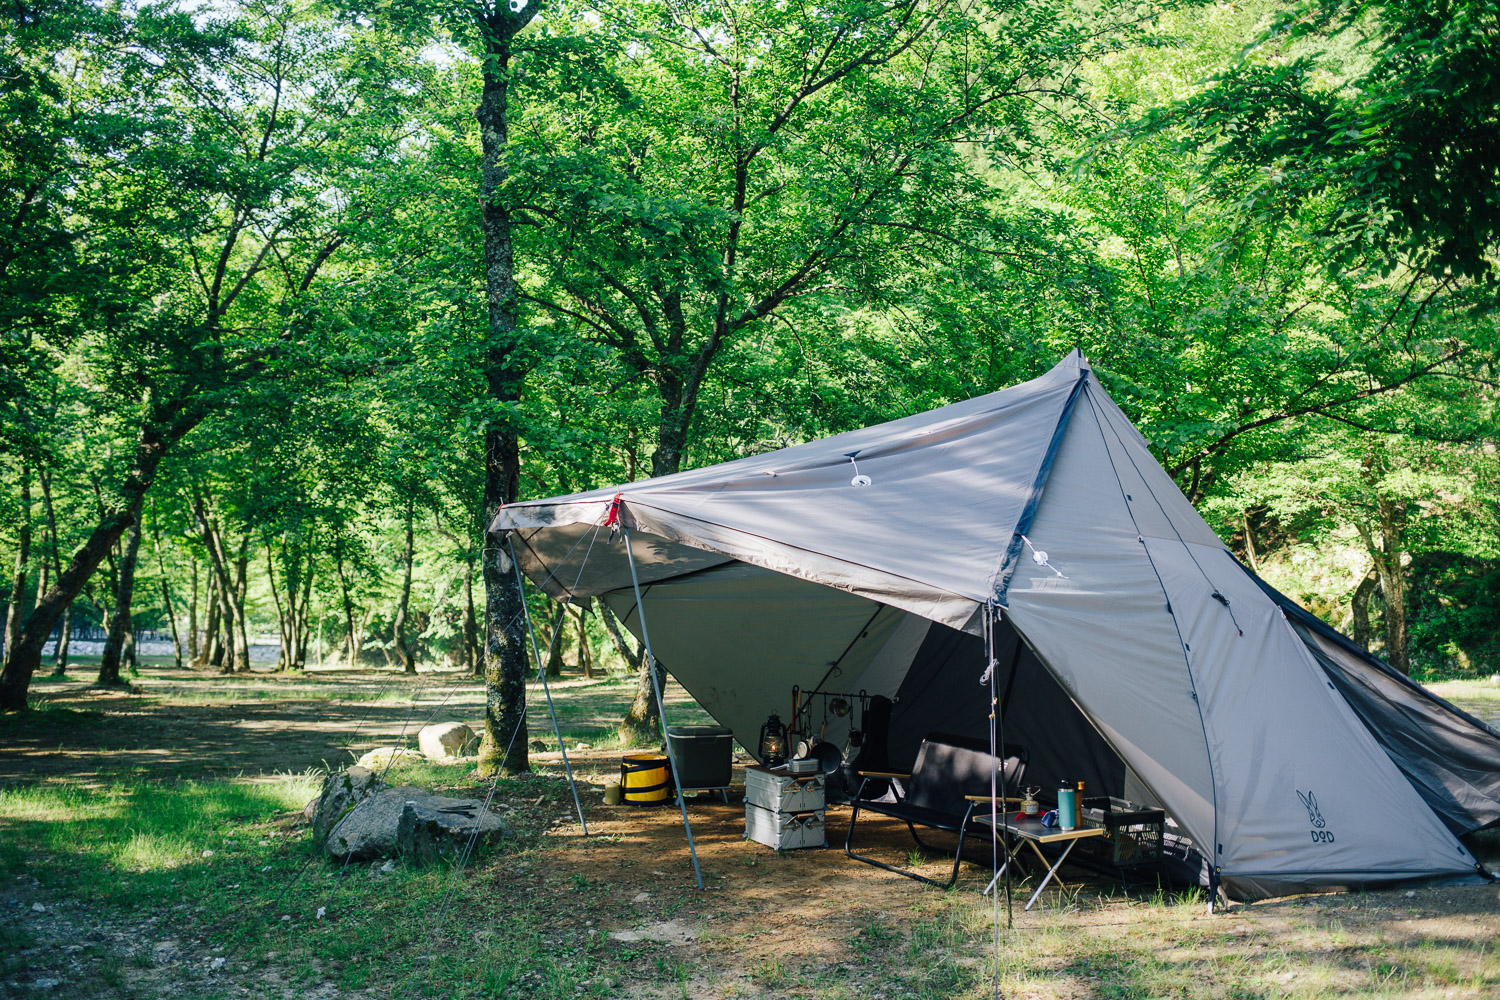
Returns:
point(631, 657)
point(303, 629)
point(1359, 609)
point(120, 620)
point(213, 544)
point(556, 639)
point(166, 590)
point(192, 642)
point(642, 724)
point(241, 633)
point(403, 648)
point(471, 631)
point(65, 631)
point(504, 746)
point(283, 659)
point(585, 654)
point(351, 634)
point(16, 609)
point(165, 425)
point(210, 652)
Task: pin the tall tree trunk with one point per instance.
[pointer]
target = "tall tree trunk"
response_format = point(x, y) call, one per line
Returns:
point(585, 654)
point(16, 609)
point(219, 614)
point(631, 657)
point(556, 640)
point(351, 634)
point(1385, 541)
point(64, 640)
point(403, 648)
point(241, 633)
point(283, 657)
point(504, 746)
point(642, 724)
point(642, 720)
point(209, 653)
point(192, 642)
point(65, 630)
point(1359, 609)
point(166, 590)
point(302, 630)
point(166, 424)
point(471, 659)
point(1249, 542)
point(120, 624)
point(230, 588)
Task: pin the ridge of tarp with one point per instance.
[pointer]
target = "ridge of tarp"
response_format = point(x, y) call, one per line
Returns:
point(1039, 483)
point(949, 487)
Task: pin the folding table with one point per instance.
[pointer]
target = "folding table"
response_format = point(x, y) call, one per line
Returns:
point(1031, 831)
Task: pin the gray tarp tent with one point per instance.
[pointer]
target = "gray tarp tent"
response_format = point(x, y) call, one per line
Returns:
point(1137, 653)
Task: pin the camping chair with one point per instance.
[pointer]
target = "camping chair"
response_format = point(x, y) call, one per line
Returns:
point(948, 768)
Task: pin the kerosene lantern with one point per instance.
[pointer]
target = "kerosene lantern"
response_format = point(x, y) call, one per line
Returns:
point(773, 742)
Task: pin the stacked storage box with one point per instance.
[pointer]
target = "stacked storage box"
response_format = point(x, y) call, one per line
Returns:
point(783, 810)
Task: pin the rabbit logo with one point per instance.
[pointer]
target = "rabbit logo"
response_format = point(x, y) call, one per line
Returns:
point(1320, 832)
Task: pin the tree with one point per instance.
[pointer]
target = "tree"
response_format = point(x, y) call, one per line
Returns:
point(1384, 107)
point(208, 214)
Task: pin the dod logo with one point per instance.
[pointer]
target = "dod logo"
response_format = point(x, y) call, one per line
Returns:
point(1320, 832)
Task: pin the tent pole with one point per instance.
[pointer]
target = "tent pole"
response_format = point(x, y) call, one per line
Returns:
point(661, 708)
point(541, 672)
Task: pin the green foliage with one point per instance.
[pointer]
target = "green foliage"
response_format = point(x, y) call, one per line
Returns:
point(736, 229)
point(1383, 111)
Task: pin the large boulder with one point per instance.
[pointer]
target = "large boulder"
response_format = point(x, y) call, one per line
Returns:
point(428, 830)
point(342, 791)
point(443, 740)
point(379, 827)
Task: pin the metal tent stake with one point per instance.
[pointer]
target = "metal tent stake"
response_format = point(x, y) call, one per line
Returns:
point(661, 708)
point(541, 672)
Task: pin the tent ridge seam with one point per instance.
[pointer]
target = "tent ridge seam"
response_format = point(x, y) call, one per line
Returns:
point(1007, 567)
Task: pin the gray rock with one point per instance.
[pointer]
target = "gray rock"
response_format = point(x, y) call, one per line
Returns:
point(342, 791)
point(379, 826)
point(443, 740)
point(433, 827)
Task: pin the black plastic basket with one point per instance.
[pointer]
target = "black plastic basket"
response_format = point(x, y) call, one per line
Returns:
point(1134, 834)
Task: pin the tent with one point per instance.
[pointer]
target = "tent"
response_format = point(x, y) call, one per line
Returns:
point(1132, 650)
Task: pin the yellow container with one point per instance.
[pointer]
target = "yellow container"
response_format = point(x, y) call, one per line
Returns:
point(645, 778)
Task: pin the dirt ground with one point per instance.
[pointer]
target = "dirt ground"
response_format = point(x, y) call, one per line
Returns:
point(763, 918)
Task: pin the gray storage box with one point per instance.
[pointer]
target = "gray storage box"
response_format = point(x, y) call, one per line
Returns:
point(784, 831)
point(783, 793)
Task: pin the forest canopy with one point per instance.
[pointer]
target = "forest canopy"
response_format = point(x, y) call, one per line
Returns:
point(294, 294)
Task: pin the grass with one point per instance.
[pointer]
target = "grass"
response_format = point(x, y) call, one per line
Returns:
point(222, 862)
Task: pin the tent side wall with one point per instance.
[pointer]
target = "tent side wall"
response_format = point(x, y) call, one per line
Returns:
point(1450, 757)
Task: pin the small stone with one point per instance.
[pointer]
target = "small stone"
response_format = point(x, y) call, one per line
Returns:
point(46, 984)
point(641, 897)
point(208, 854)
point(1411, 894)
point(286, 918)
point(38, 908)
point(388, 867)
